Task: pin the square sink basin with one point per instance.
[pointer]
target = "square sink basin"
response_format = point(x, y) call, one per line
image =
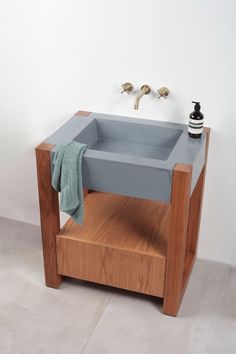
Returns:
point(129, 138)
point(131, 156)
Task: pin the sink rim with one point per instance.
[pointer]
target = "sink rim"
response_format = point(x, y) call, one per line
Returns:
point(71, 129)
point(186, 151)
point(132, 159)
point(130, 134)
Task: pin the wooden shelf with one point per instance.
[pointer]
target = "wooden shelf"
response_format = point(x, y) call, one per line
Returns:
point(122, 222)
point(124, 237)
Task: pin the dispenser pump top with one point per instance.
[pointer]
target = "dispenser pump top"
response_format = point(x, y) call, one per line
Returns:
point(197, 106)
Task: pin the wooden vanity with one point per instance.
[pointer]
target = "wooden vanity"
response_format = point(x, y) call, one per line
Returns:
point(135, 243)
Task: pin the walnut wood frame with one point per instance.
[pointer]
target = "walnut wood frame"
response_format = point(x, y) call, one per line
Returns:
point(184, 231)
point(185, 214)
point(49, 214)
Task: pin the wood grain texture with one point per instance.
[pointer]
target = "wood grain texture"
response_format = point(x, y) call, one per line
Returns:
point(111, 266)
point(121, 221)
point(195, 210)
point(82, 114)
point(195, 215)
point(122, 243)
point(180, 199)
point(182, 269)
point(49, 214)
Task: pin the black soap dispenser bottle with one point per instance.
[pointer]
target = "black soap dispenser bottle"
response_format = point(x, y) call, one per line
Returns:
point(195, 127)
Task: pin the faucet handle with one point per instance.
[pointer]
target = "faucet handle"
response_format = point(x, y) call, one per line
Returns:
point(127, 87)
point(146, 89)
point(163, 92)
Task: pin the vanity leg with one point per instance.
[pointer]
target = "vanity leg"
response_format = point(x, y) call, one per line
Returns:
point(180, 200)
point(195, 208)
point(195, 215)
point(49, 214)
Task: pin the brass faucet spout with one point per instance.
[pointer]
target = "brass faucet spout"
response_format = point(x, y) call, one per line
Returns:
point(137, 99)
point(145, 89)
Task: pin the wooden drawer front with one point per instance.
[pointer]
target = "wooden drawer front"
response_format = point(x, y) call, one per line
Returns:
point(111, 266)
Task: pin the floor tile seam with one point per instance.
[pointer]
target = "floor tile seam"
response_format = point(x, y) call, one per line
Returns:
point(97, 322)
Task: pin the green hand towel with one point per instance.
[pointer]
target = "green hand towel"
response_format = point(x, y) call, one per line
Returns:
point(67, 179)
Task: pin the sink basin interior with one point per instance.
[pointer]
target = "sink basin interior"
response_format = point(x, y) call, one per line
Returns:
point(127, 138)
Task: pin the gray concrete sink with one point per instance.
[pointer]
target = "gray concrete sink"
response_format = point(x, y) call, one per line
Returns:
point(130, 138)
point(131, 156)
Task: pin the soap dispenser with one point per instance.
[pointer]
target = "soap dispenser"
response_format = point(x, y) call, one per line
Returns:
point(195, 127)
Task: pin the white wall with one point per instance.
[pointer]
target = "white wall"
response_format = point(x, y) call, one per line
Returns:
point(61, 56)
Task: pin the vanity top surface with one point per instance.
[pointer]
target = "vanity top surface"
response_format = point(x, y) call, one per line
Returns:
point(132, 140)
point(143, 147)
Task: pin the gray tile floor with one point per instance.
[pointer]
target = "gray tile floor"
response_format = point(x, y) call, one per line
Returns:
point(86, 318)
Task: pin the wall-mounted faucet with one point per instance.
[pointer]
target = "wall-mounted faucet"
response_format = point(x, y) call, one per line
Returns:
point(145, 90)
